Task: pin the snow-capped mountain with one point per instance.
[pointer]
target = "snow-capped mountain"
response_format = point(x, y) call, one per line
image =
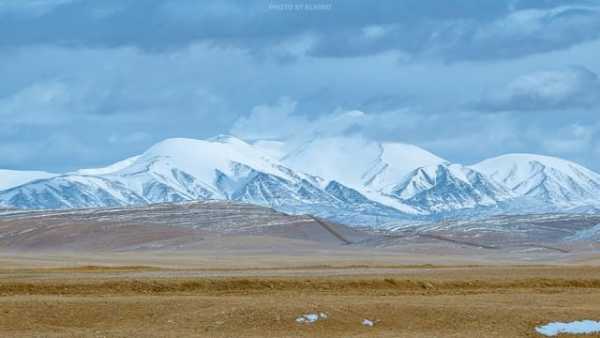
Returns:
point(176, 170)
point(544, 180)
point(346, 179)
point(359, 163)
point(404, 176)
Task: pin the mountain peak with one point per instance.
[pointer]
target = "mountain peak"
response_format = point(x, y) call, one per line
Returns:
point(524, 165)
point(549, 179)
point(359, 162)
point(527, 157)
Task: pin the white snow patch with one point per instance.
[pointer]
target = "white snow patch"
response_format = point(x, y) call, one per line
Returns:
point(367, 322)
point(311, 318)
point(576, 327)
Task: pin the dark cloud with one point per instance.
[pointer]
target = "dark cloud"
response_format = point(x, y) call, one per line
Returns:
point(457, 30)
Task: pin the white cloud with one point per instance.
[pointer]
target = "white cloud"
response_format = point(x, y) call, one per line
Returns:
point(281, 121)
point(555, 89)
point(270, 121)
point(42, 103)
point(374, 31)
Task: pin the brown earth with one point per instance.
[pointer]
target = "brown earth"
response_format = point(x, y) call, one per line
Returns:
point(68, 300)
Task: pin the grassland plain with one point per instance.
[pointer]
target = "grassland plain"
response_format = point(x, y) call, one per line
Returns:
point(104, 296)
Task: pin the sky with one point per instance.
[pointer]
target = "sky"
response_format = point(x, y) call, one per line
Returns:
point(87, 83)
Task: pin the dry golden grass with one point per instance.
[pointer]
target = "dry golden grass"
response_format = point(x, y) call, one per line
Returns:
point(406, 301)
point(243, 285)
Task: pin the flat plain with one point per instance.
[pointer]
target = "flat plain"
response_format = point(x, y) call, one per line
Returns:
point(146, 295)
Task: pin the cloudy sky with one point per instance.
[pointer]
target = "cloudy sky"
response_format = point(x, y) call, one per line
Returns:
point(86, 83)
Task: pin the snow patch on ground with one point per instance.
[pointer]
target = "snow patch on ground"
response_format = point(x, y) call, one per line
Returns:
point(576, 327)
point(311, 318)
point(367, 322)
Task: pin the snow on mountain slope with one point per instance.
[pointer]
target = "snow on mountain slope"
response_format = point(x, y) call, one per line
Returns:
point(70, 191)
point(447, 187)
point(228, 168)
point(349, 195)
point(221, 166)
point(176, 170)
point(343, 159)
point(346, 179)
point(396, 160)
point(200, 158)
point(544, 179)
point(415, 181)
point(273, 149)
point(109, 169)
point(13, 178)
point(359, 163)
point(402, 176)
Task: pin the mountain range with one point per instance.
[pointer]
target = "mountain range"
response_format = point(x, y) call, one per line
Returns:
point(345, 179)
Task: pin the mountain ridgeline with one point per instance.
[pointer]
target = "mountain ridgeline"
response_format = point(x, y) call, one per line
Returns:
point(353, 181)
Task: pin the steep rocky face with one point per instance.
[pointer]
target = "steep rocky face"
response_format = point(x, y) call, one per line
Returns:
point(448, 187)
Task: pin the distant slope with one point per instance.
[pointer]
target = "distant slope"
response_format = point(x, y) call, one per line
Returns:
point(13, 178)
point(505, 231)
point(166, 227)
point(543, 179)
